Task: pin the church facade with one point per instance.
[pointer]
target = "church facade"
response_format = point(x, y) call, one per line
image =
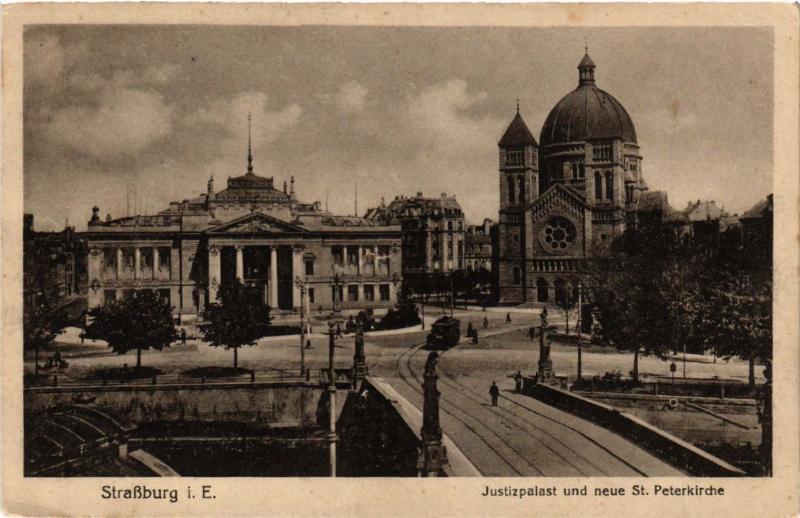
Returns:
point(566, 196)
point(249, 231)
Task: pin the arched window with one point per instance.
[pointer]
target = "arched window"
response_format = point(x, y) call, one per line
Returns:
point(609, 186)
point(541, 290)
point(598, 186)
point(517, 275)
point(582, 170)
point(511, 189)
point(521, 184)
point(560, 291)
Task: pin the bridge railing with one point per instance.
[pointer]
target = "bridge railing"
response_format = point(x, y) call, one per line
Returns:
point(313, 376)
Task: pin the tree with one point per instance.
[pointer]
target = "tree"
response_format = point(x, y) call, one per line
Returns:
point(738, 320)
point(238, 318)
point(139, 322)
point(567, 304)
point(632, 286)
point(41, 324)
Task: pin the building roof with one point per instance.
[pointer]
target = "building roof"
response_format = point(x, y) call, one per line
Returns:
point(702, 211)
point(656, 201)
point(517, 134)
point(759, 210)
point(587, 113)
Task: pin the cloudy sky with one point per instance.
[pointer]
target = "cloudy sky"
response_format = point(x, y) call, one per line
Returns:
point(395, 110)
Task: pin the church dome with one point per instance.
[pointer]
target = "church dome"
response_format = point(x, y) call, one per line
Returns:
point(587, 113)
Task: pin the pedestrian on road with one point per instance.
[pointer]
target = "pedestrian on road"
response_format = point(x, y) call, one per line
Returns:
point(508, 318)
point(308, 344)
point(531, 333)
point(494, 392)
point(518, 382)
point(469, 329)
point(339, 331)
point(183, 336)
point(485, 322)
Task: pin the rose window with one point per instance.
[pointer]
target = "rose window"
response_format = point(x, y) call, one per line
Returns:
point(558, 235)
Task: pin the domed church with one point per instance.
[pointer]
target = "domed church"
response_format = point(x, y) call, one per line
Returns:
point(562, 197)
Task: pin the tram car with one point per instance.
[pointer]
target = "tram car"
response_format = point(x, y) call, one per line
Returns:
point(445, 333)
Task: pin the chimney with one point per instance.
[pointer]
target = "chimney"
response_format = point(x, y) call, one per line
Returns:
point(284, 187)
point(383, 202)
point(291, 188)
point(95, 216)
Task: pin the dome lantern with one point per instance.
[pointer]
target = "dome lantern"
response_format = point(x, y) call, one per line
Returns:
point(586, 70)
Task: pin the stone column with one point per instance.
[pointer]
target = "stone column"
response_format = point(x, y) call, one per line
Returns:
point(137, 263)
point(240, 262)
point(374, 260)
point(443, 248)
point(119, 263)
point(428, 251)
point(360, 260)
point(455, 251)
point(155, 260)
point(214, 276)
point(273, 277)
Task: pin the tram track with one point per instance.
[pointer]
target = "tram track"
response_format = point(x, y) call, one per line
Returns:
point(512, 417)
point(404, 363)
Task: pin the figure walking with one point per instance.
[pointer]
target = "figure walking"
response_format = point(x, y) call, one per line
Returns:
point(485, 322)
point(183, 336)
point(518, 382)
point(531, 333)
point(508, 318)
point(494, 392)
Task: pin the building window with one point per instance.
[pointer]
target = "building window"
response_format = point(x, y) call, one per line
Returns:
point(310, 295)
point(369, 292)
point(450, 225)
point(309, 267)
point(146, 260)
point(609, 186)
point(109, 297)
point(338, 255)
point(598, 186)
point(384, 292)
point(165, 295)
point(110, 259)
point(127, 258)
point(517, 276)
point(352, 294)
point(521, 191)
point(510, 189)
point(336, 294)
point(514, 158)
point(460, 226)
point(163, 258)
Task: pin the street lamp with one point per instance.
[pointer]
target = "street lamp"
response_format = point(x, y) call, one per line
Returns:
point(301, 284)
point(336, 283)
point(395, 281)
point(580, 315)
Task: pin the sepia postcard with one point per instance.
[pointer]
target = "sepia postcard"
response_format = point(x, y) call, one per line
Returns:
point(291, 259)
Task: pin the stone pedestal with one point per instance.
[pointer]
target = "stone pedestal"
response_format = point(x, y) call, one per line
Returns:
point(433, 455)
point(360, 370)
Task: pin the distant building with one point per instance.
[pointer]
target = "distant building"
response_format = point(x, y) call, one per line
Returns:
point(478, 247)
point(252, 231)
point(433, 233)
point(54, 265)
point(757, 226)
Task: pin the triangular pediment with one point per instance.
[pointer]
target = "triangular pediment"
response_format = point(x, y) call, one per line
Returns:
point(558, 197)
point(256, 223)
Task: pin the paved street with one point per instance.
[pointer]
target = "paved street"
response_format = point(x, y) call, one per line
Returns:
point(522, 436)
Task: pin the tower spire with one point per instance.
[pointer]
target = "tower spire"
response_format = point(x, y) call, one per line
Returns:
point(517, 105)
point(249, 147)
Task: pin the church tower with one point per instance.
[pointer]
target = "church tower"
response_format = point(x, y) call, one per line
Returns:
point(519, 186)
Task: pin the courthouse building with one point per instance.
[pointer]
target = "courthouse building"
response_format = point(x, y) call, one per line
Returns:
point(251, 231)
